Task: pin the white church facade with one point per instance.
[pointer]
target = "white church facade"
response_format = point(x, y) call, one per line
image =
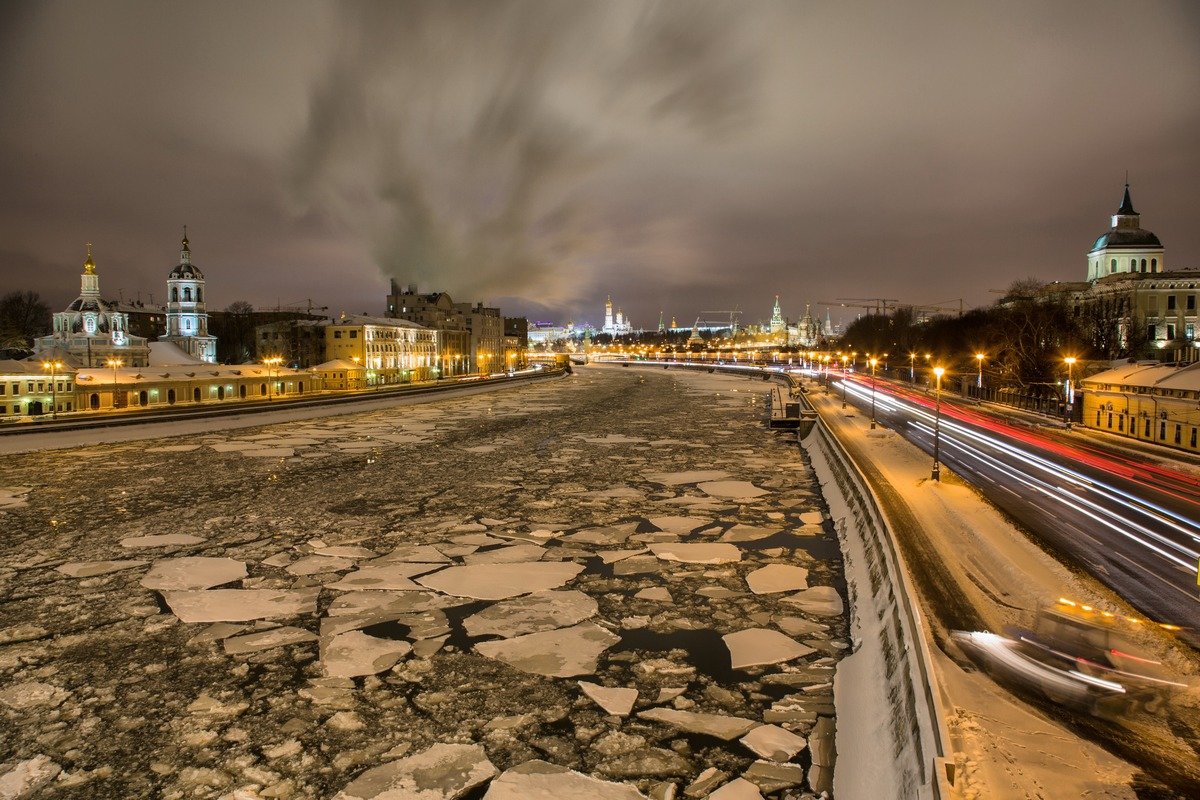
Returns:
point(187, 317)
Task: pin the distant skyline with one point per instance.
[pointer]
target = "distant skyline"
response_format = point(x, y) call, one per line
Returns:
point(684, 156)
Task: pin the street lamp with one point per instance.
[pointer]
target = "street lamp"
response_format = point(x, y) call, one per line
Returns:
point(912, 368)
point(1069, 395)
point(114, 363)
point(52, 366)
point(874, 361)
point(357, 361)
point(272, 362)
point(937, 418)
point(979, 380)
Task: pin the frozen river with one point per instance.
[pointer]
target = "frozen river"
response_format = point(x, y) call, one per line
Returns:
point(618, 584)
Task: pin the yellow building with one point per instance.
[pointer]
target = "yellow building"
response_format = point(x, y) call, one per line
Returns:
point(391, 350)
point(32, 389)
point(1150, 401)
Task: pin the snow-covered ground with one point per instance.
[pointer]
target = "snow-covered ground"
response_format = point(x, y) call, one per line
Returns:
point(1004, 747)
point(611, 586)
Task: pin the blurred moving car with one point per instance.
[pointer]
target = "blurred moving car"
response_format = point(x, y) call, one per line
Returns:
point(1076, 656)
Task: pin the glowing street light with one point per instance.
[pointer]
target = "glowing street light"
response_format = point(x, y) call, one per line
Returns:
point(272, 362)
point(912, 368)
point(52, 366)
point(874, 361)
point(937, 418)
point(114, 363)
point(1068, 406)
point(979, 381)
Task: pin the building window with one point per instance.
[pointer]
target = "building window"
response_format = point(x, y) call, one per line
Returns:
point(1143, 265)
point(1191, 302)
point(1162, 430)
point(1154, 265)
point(187, 294)
point(1178, 433)
point(1147, 428)
point(337, 334)
point(353, 334)
point(1170, 330)
point(1113, 266)
point(1193, 437)
point(174, 295)
point(200, 292)
point(2, 387)
point(1170, 302)
point(1189, 330)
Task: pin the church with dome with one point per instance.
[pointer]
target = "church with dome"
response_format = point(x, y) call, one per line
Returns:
point(91, 332)
point(187, 317)
point(1126, 247)
point(1130, 301)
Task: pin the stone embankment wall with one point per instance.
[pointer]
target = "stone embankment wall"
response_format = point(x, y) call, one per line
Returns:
point(891, 736)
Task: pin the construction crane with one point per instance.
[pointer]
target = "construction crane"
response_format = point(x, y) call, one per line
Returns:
point(733, 318)
point(877, 305)
point(306, 306)
point(940, 305)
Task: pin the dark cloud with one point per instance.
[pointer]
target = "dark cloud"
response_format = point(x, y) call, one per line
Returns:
point(683, 155)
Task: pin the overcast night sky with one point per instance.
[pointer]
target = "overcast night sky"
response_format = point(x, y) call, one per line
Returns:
point(683, 155)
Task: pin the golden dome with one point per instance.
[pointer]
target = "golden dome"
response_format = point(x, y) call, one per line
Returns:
point(89, 266)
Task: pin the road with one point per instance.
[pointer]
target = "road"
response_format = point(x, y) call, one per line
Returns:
point(1132, 524)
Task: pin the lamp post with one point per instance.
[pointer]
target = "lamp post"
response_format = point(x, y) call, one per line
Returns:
point(874, 361)
point(1069, 395)
point(53, 366)
point(937, 418)
point(912, 368)
point(979, 380)
point(843, 381)
point(357, 361)
point(271, 363)
point(114, 363)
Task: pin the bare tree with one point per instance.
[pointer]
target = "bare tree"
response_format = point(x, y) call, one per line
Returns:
point(23, 318)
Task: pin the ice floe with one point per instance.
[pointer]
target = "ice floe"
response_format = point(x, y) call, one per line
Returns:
point(777, 578)
point(732, 490)
point(161, 540)
point(193, 572)
point(758, 646)
point(774, 743)
point(820, 601)
point(614, 700)
point(89, 569)
point(443, 772)
point(500, 581)
point(540, 780)
point(240, 605)
point(691, 476)
point(537, 612)
point(718, 725)
point(696, 552)
point(266, 640)
point(562, 653)
point(354, 654)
